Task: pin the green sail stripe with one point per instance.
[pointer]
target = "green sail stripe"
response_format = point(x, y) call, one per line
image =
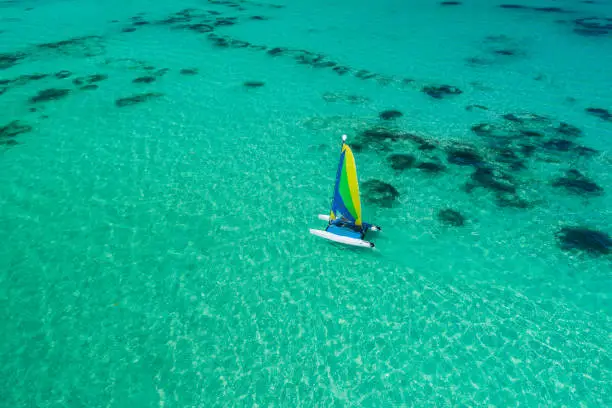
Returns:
point(345, 193)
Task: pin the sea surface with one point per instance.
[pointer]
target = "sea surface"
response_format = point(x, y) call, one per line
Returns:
point(161, 164)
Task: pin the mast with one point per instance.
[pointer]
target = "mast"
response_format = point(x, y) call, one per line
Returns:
point(332, 215)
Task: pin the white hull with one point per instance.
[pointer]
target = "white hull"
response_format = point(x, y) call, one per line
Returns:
point(341, 239)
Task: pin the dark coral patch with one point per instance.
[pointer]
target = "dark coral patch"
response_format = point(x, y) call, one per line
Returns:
point(380, 137)
point(560, 145)
point(224, 22)
point(601, 113)
point(509, 157)
point(341, 70)
point(505, 52)
point(357, 147)
point(13, 129)
point(591, 32)
point(451, 217)
point(497, 136)
point(161, 72)
point(550, 9)
point(380, 193)
point(540, 9)
point(569, 130)
point(136, 99)
point(22, 79)
point(380, 134)
point(276, 51)
point(352, 99)
point(63, 74)
point(390, 114)
point(564, 145)
point(584, 151)
point(584, 239)
point(226, 42)
point(144, 80)
point(90, 79)
point(401, 161)
point(463, 157)
point(258, 47)
point(186, 11)
point(219, 42)
point(384, 80)
point(96, 78)
point(254, 84)
point(198, 28)
point(324, 64)
point(189, 71)
point(8, 59)
point(511, 200)
point(523, 118)
point(491, 180)
point(472, 107)
point(9, 142)
point(531, 133)
point(450, 3)
point(364, 74)
point(476, 61)
point(308, 58)
point(483, 129)
point(439, 92)
point(87, 46)
point(577, 183)
point(506, 155)
point(593, 26)
point(51, 94)
point(421, 143)
point(431, 167)
point(527, 150)
point(173, 19)
point(427, 146)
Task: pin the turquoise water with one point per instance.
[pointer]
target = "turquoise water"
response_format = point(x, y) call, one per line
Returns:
point(158, 254)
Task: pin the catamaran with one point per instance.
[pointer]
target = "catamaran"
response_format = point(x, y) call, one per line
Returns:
point(344, 223)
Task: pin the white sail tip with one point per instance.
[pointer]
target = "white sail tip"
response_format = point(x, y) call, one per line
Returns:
point(344, 138)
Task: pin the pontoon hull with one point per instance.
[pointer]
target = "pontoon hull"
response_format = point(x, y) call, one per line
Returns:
point(342, 240)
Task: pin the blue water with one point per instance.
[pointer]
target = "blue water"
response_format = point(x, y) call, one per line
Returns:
point(156, 252)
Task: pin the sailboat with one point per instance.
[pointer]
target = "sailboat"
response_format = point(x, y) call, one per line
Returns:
point(344, 223)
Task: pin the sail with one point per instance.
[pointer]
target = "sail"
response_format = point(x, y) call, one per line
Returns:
point(346, 201)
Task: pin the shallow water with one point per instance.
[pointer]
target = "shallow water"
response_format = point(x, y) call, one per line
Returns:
point(158, 254)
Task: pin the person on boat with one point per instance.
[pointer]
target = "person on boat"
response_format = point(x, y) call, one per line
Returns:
point(343, 222)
